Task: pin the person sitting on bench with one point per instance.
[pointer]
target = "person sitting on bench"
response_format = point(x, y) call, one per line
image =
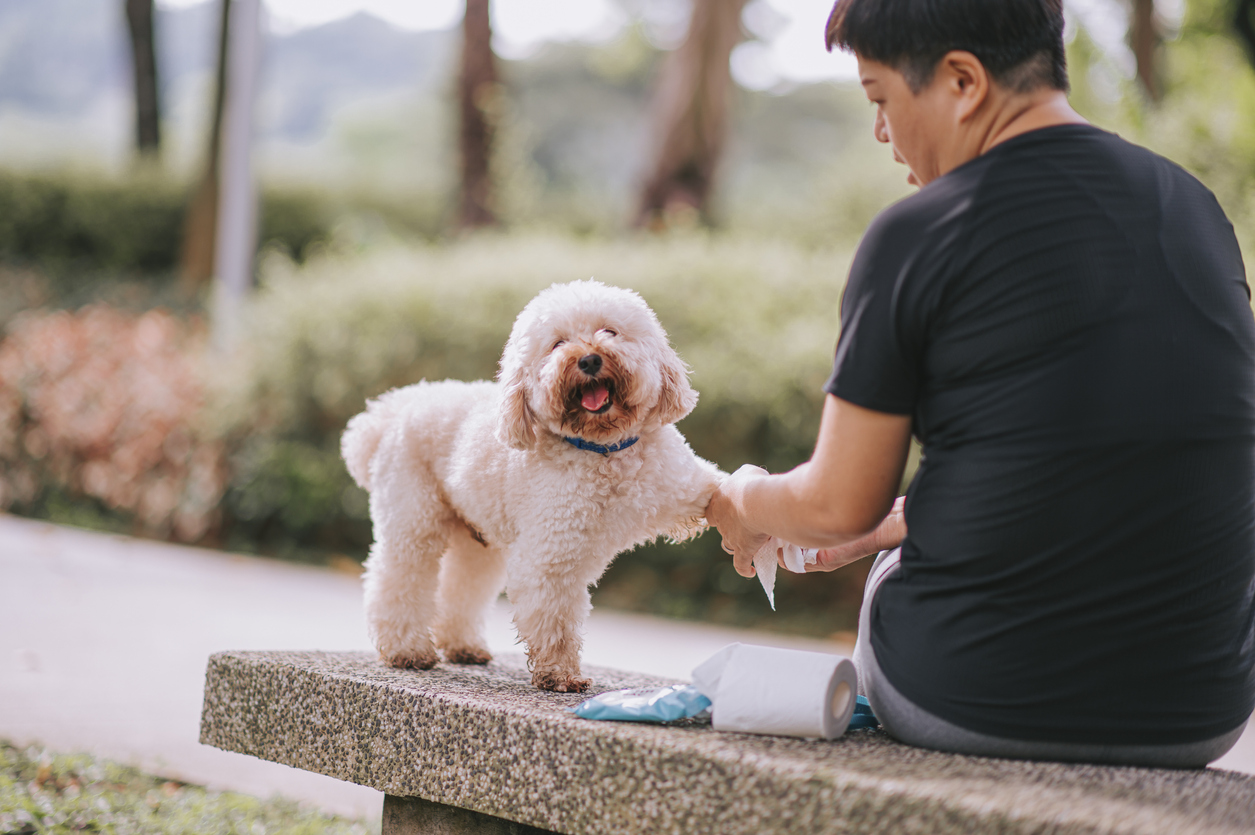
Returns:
point(1062, 320)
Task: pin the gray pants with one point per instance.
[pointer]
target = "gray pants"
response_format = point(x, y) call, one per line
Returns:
point(906, 721)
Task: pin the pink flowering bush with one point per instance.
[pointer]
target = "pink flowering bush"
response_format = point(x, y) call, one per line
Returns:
point(102, 404)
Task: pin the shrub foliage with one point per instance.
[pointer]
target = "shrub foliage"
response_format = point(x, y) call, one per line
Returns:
point(103, 406)
point(133, 225)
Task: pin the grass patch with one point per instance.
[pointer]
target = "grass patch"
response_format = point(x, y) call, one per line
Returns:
point(42, 792)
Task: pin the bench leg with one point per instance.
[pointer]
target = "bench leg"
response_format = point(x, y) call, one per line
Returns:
point(416, 816)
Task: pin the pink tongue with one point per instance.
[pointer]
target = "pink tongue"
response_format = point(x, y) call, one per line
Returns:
point(595, 398)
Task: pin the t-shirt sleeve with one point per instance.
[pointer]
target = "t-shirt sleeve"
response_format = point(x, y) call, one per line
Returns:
point(877, 365)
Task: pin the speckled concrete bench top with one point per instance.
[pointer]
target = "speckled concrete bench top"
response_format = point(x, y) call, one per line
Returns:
point(483, 738)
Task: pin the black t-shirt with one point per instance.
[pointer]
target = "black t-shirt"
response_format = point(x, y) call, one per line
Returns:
point(1067, 321)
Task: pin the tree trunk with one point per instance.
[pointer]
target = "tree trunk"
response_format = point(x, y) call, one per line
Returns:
point(1244, 24)
point(1144, 39)
point(139, 19)
point(477, 98)
point(200, 224)
point(691, 114)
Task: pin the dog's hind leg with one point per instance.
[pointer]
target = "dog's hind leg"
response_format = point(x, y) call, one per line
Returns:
point(472, 574)
point(412, 529)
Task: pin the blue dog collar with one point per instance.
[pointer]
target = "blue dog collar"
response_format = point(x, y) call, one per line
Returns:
point(580, 443)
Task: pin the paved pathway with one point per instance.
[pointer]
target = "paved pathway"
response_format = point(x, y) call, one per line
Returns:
point(103, 643)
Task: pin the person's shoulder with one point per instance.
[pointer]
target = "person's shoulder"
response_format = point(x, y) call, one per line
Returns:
point(924, 221)
point(1157, 180)
point(922, 212)
point(1118, 154)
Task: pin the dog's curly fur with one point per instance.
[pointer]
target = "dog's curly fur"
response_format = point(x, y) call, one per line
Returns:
point(473, 482)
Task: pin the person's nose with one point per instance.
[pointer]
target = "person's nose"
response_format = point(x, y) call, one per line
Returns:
point(879, 128)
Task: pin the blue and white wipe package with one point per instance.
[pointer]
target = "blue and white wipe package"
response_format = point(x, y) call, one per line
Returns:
point(863, 716)
point(751, 689)
point(645, 704)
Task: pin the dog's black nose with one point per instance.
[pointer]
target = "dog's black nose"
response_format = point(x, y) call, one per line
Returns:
point(590, 364)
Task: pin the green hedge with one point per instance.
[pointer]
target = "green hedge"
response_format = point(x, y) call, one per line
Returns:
point(130, 225)
point(756, 320)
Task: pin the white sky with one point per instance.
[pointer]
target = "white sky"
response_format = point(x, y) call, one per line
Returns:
point(789, 45)
point(794, 50)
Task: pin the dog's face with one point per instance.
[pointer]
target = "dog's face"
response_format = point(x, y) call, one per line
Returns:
point(589, 361)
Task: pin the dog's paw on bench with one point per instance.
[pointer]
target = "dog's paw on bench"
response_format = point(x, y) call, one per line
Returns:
point(411, 660)
point(467, 655)
point(560, 682)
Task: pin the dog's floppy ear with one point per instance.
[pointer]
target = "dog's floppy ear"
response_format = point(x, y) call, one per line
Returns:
point(516, 424)
point(677, 397)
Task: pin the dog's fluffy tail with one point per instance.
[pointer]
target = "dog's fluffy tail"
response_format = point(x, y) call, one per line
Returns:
point(358, 444)
point(362, 436)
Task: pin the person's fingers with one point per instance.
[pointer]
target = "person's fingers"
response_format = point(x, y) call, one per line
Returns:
point(823, 562)
point(826, 564)
point(830, 559)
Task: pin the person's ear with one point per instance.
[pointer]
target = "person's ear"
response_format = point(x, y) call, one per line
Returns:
point(967, 80)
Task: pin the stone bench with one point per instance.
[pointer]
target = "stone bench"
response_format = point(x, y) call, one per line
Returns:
point(479, 750)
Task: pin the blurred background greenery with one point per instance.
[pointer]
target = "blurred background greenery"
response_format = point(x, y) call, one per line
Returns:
point(115, 414)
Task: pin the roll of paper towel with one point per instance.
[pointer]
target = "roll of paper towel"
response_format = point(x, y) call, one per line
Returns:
point(782, 692)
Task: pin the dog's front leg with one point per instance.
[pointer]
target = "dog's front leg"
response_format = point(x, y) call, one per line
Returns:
point(551, 603)
point(687, 513)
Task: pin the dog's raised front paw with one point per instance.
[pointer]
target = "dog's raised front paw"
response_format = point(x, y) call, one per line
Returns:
point(560, 682)
point(411, 660)
point(467, 655)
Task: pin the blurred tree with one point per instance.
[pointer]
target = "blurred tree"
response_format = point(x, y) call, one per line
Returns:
point(1145, 40)
point(196, 262)
point(478, 92)
point(139, 19)
point(691, 114)
point(1244, 23)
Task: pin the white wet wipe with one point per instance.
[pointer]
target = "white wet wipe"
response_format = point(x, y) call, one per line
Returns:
point(795, 559)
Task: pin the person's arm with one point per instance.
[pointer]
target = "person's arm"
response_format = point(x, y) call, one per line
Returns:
point(839, 498)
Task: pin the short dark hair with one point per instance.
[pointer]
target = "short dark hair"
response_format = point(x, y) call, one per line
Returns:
point(1020, 42)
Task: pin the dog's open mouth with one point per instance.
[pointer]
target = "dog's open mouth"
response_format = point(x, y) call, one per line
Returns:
point(598, 397)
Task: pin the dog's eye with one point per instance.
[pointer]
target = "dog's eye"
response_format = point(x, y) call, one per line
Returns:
point(558, 344)
point(609, 332)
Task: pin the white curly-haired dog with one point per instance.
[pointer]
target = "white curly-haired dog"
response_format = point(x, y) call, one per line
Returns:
point(533, 483)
